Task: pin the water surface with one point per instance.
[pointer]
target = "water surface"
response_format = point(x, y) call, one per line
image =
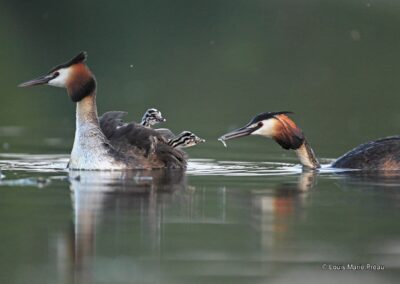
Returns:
point(221, 222)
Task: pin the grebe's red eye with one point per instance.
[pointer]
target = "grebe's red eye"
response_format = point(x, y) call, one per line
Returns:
point(260, 124)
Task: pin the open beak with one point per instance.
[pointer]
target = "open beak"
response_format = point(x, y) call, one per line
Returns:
point(38, 81)
point(243, 131)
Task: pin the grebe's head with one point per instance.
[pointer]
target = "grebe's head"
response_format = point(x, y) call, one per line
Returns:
point(274, 125)
point(152, 116)
point(185, 139)
point(73, 75)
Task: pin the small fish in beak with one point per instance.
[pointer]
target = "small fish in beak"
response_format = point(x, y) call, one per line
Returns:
point(243, 131)
point(223, 142)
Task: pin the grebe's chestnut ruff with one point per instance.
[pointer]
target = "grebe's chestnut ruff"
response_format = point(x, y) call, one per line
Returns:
point(382, 154)
point(132, 146)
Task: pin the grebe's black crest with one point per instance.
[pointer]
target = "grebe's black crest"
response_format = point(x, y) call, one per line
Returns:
point(267, 115)
point(80, 58)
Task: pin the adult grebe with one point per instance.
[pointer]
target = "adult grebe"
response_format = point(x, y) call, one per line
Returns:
point(382, 154)
point(92, 150)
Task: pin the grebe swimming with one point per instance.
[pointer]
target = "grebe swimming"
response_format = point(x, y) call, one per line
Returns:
point(381, 154)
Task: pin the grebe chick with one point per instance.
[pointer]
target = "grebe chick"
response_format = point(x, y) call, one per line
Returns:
point(185, 139)
point(382, 154)
point(151, 117)
point(92, 150)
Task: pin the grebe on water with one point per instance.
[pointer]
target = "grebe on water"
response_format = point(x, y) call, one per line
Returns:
point(132, 146)
point(382, 154)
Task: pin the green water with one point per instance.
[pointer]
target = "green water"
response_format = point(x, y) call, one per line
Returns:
point(242, 214)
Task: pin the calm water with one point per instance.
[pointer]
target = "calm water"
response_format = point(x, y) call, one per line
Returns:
point(222, 222)
point(242, 214)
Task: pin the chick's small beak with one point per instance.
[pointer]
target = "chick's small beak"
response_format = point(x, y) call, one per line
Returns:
point(38, 81)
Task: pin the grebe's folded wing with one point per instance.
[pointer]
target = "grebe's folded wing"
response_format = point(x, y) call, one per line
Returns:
point(111, 121)
point(381, 154)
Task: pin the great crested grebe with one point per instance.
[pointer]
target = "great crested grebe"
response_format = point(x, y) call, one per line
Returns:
point(131, 146)
point(382, 154)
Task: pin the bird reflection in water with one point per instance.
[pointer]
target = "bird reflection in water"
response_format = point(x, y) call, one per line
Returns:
point(97, 195)
point(141, 211)
point(274, 208)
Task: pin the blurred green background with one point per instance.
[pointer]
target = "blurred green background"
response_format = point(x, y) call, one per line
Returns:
point(209, 66)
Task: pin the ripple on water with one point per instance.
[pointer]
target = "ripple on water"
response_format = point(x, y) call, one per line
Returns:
point(203, 167)
point(209, 167)
point(33, 162)
point(56, 163)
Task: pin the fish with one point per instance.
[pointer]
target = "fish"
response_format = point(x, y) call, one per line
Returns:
point(223, 142)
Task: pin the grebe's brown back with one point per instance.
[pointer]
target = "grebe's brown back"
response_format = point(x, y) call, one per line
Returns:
point(382, 154)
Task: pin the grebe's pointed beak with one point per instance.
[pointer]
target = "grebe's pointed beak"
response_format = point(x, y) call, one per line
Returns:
point(243, 131)
point(38, 81)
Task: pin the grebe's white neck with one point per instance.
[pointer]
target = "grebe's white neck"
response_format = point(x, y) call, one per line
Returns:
point(91, 150)
point(306, 156)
